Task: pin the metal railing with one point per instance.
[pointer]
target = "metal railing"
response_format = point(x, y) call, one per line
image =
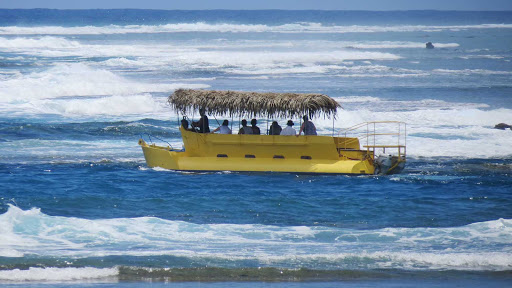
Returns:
point(377, 135)
point(153, 136)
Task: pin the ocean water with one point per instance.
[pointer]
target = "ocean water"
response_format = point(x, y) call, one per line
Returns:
point(79, 207)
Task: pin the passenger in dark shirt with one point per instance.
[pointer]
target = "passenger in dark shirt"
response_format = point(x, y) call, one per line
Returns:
point(184, 124)
point(202, 124)
point(307, 127)
point(274, 129)
point(255, 129)
point(245, 129)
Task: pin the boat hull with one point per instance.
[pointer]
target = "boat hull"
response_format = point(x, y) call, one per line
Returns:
point(261, 153)
point(157, 157)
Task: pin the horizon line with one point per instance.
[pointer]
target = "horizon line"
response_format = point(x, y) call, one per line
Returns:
point(269, 9)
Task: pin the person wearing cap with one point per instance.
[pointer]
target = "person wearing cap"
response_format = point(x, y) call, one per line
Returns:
point(255, 129)
point(245, 129)
point(289, 130)
point(202, 124)
point(224, 129)
point(307, 126)
point(275, 129)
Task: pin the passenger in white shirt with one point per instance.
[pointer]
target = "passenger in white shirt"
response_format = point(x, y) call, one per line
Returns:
point(224, 129)
point(289, 131)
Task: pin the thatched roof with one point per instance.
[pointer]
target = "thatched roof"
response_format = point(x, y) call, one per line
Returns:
point(236, 103)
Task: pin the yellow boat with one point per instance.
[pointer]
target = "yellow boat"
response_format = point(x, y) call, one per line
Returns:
point(342, 154)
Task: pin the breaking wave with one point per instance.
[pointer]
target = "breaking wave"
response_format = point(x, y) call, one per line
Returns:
point(77, 79)
point(477, 246)
point(237, 28)
point(52, 274)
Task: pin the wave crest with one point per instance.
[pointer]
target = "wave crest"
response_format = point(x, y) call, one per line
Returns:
point(477, 246)
point(57, 274)
point(237, 28)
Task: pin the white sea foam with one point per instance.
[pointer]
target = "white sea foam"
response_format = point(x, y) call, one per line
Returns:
point(332, 69)
point(472, 71)
point(77, 79)
point(60, 46)
point(434, 127)
point(232, 57)
point(239, 62)
point(397, 44)
point(57, 274)
point(122, 62)
point(38, 43)
point(274, 59)
point(220, 55)
point(32, 232)
point(482, 56)
point(50, 46)
point(126, 107)
point(237, 28)
point(67, 151)
point(110, 106)
point(356, 99)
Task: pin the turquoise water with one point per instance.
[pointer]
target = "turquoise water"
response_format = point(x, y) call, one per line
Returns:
point(79, 206)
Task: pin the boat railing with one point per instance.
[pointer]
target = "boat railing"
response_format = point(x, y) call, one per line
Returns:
point(376, 135)
point(149, 136)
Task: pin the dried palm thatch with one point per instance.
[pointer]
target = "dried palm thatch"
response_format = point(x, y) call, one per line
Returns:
point(236, 103)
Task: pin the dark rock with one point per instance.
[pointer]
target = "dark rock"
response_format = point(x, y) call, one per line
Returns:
point(429, 45)
point(502, 126)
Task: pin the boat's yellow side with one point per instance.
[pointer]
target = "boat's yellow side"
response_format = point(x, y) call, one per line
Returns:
point(304, 154)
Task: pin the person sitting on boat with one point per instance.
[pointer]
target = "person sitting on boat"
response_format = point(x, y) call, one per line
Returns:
point(308, 127)
point(184, 124)
point(255, 129)
point(289, 130)
point(274, 129)
point(224, 129)
point(245, 129)
point(202, 124)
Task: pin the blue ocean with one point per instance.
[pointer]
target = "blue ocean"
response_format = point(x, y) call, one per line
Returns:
point(79, 206)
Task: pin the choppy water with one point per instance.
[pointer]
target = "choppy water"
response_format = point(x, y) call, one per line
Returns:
point(79, 206)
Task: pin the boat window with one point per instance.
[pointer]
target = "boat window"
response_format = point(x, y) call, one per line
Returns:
point(222, 155)
point(305, 157)
point(249, 156)
point(278, 157)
